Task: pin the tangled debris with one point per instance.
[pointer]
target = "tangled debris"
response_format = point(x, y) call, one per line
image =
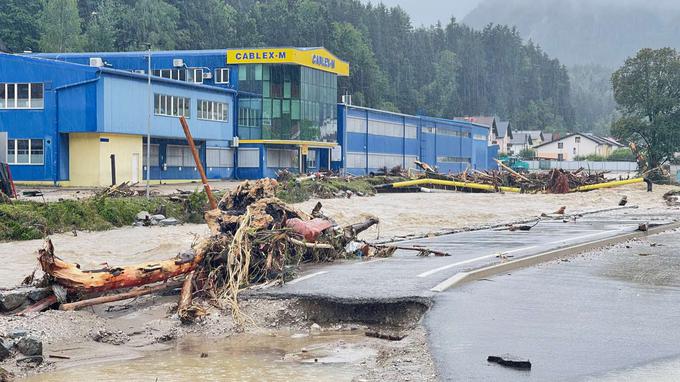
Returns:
point(556, 181)
point(255, 239)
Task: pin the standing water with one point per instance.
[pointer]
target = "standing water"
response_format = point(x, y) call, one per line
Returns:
point(328, 357)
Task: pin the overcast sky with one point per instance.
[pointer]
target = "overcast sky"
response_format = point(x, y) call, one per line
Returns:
point(429, 11)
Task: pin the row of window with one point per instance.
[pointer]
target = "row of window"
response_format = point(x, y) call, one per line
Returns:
point(213, 111)
point(447, 159)
point(176, 106)
point(25, 151)
point(194, 75)
point(376, 160)
point(180, 156)
point(22, 96)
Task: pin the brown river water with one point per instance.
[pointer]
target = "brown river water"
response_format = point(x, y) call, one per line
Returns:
point(327, 357)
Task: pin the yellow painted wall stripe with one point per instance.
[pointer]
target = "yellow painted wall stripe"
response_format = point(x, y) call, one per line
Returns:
point(615, 183)
point(451, 183)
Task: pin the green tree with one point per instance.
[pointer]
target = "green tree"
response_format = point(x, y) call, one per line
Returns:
point(102, 30)
point(647, 91)
point(439, 96)
point(368, 83)
point(623, 155)
point(207, 30)
point(18, 24)
point(153, 22)
point(60, 26)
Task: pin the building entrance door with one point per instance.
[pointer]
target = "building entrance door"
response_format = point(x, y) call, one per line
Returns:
point(135, 168)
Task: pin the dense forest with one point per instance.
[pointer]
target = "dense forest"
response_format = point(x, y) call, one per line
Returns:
point(443, 70)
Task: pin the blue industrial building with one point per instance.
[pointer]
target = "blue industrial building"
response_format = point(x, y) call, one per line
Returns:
point(252, 112)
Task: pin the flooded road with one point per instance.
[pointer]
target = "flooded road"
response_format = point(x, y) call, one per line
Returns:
point(319, 358)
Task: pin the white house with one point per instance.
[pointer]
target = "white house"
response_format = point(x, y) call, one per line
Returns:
point(576, 144)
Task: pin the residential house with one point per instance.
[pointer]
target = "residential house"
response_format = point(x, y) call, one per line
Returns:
point(537, 136)
point(521, 140)
point(576, 145)
point(500, 132)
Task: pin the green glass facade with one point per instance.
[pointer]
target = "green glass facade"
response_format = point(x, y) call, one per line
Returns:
point(296, 103)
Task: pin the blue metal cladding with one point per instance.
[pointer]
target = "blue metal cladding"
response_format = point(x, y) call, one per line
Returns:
point(83, 99)
point(209, 60)
point(449, 145)
point(40, 123)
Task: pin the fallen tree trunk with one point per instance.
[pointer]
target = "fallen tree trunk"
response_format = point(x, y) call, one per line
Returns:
point(40, 305)
point(70, 275)
point(120, 296)
point(185, 298)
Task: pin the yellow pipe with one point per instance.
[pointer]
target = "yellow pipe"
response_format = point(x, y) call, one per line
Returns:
point(614, 183)
point(452, 183)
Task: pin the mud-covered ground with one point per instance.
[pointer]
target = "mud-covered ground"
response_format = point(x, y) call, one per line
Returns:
point(132, 329)
point(118, 333)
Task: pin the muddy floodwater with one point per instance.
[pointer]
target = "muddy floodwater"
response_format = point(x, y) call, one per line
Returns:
point(284, 357)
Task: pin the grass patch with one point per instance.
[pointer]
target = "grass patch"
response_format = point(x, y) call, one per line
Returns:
point(25, 220)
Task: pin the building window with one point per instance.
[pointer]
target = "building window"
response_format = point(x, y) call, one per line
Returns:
point(180, 156)
point(172, 106)
point(155, 155)
point(213, 111)
point(560, 145)
point(172, 74)
point(560, 156)
point(25, 151)
point(577, 139)
point(479, 137)
point(196, 75)
point(219, 157)
point(22, 96)
point(222, 75)
point(448, 159)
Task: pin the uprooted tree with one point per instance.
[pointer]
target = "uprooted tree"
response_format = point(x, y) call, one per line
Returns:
point(255, 238)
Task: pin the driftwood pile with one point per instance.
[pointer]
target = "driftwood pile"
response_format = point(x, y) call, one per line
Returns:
point(255, 239)
point(555, 181)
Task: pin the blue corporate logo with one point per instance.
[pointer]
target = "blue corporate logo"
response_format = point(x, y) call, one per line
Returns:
point(261, 55)
point(323, 61)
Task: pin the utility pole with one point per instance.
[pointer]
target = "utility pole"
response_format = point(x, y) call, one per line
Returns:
point(148, 123)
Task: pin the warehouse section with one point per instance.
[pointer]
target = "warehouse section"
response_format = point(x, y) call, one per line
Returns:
point(82, 119)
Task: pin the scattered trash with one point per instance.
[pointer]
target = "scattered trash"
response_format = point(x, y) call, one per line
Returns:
point(510, 361)
point(672, 198)
point(31, 193)
point(623, 201)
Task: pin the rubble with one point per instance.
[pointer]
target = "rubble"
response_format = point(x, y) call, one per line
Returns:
point(510, 361)
point(29, 346)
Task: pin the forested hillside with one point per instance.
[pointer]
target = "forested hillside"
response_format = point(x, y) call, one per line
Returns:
point(443, 70)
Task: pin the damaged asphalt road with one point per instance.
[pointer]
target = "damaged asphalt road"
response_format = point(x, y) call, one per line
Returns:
point(564, 316)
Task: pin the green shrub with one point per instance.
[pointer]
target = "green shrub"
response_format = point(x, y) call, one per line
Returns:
point(623, 154)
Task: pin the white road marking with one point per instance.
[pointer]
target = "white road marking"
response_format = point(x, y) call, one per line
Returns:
point(371, 261)
point(306, 277)
point(468, 261)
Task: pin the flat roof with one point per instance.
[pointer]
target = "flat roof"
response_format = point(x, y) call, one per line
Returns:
point(313, 57)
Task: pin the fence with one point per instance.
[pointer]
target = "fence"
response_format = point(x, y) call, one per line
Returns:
point(619, 167)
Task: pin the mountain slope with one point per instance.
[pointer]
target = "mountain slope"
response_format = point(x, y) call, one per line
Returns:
point(603, 32)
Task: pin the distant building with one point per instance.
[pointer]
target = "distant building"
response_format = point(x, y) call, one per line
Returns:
point(537, 136)
point(577, 144)
point(500, 132)
point(521, 140)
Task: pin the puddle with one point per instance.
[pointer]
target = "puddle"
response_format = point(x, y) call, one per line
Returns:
point(326, 357)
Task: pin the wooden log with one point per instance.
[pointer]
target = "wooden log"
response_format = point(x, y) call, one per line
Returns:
point(70, 275)
point(513, 172)
point(40, 305)
point(199, 164)
point(311, 245)
point(120, 296)
point(185, 298)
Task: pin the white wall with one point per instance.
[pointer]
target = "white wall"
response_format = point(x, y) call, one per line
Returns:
point(571, 148)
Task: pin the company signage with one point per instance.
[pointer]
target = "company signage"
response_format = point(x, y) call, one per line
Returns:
point(313, 58)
